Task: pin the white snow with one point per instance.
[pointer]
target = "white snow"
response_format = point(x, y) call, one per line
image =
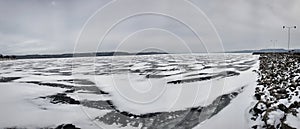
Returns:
point(293, 121)
point(131, 92)
point(139, 95)
point(21, 107)
point(87, 96)
point(235, 115)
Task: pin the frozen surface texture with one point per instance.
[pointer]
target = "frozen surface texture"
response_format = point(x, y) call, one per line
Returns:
point(151, 91)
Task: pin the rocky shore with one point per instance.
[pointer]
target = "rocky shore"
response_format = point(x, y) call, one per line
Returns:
point(277, 103)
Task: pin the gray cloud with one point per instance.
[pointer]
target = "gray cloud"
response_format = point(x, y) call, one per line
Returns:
point(34, 26)
point(252, 24)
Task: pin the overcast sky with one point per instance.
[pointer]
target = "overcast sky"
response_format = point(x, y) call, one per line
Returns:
point(64, 26)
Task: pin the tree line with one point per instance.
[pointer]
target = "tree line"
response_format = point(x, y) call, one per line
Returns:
point(7, 57)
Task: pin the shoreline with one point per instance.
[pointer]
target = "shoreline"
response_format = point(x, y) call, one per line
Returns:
point(277, 93)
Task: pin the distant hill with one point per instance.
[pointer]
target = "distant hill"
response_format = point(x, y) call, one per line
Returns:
point(69, 55)
point(241, 51)
point(262, 51)
point(272, 50)
point(7, 57)
point(266, 51)
point(93, 54)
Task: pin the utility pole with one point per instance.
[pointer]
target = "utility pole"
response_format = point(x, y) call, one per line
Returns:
point(274, 44)
point(289, 34)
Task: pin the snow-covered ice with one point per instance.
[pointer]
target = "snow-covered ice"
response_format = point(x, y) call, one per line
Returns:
point(132, 85)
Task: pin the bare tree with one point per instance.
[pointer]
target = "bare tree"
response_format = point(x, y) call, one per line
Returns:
point(13, 57)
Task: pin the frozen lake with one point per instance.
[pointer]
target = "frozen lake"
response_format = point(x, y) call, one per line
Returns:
point(92, 92)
